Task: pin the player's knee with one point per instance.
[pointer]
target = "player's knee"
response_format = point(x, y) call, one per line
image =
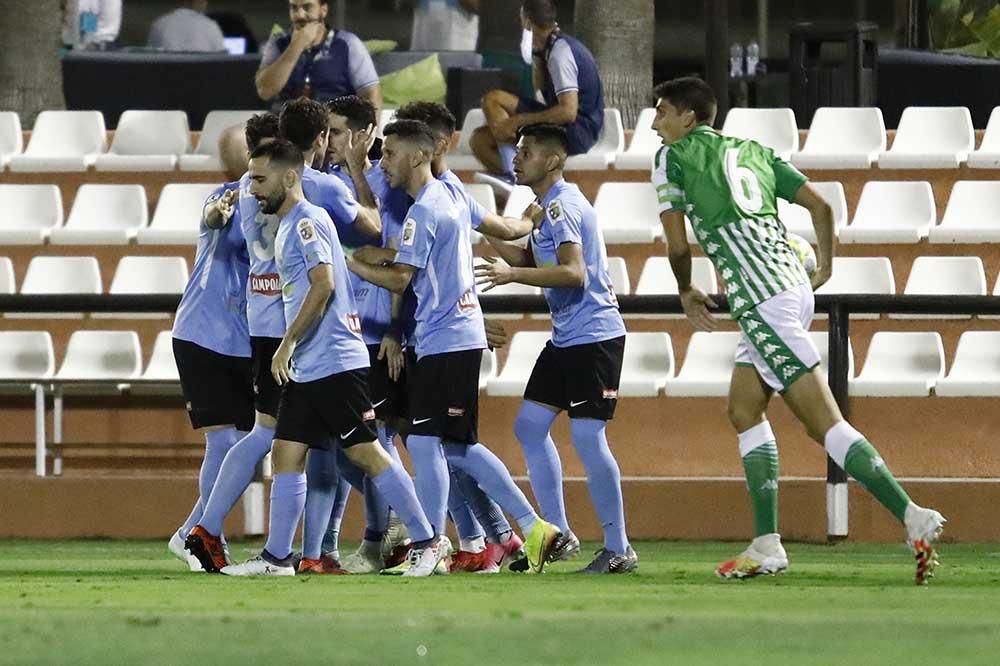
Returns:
point(288, 457)
point(369, 457)
point(744, 416)
point(481, 140)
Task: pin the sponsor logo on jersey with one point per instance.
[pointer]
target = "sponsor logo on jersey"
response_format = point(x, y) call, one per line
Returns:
point(456, 411)
point(468, 301)
point(307, 232)
point(267, 284)
point(555, 211)
point(610, 394)
point(409, 231)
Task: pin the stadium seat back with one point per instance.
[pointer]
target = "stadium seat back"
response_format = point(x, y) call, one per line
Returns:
point(842, 137)
point(773, 128)
point(972, 214)
point(931, 137)
point(892, 212)
point(110, 214)
point(525, 347)
point(162, 366)
point(708, 366)
point(26, 355)
point(102, 355)
point(900, 364)
point(618, 272)
point(610, 142)
point(29, 213)
point(657, 277)
point(62, 275)
point(67, 133)
point(216, 122)
point(628, 213)
point(648, 364)
point(798, 220)
point(976, 368)
point(177, 219)
point(643, 146)
point(152, 133)
point(11, 139)
point(461, 158)
point(8, 284)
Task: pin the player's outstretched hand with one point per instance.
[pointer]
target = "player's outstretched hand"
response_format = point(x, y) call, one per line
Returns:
point(496, 334)
point(696, 305)
point(820, 277)
point(535, 213)
point(358, 145)
point(227, 204)
point(367, 254)
point(493, 273)
point(392, 352)
point(281, 361)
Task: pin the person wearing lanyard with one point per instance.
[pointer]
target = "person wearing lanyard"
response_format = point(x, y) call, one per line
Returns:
point(315, 61)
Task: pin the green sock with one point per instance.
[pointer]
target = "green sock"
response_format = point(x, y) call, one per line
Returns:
point(761, 469)
point(867, 467)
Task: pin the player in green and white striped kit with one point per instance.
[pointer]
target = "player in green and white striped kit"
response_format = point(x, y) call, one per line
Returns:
point(729, 187)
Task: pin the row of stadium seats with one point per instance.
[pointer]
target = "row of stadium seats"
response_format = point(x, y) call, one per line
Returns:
point(887, 212)
point(909, 364)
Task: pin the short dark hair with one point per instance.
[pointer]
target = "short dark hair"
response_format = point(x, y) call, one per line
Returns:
point(282, 153)
point(542, 13)
point(259, 127)
point(301, 121)
point(359, 113)
point(689, 93)
point(412, 130)
point(436, 116)
point(550, 135)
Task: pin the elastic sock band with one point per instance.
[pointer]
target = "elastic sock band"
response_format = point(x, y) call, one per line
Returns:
point(755, 437)
point(838, 441)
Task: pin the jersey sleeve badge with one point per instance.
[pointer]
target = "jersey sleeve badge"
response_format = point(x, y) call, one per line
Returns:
point(409, 231)
point(554, 211)
point(307, 231)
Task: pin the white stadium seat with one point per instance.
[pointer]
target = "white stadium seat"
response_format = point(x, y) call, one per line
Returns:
point(461, 158)
point(29, 213)
point(628, 213)
point(60, 275)
point(930, 137)
point(484, 196)
point(147, 275)
point(859, 275)
point(385, 117)
point(26, 356)
point(525, 347)
point(944, 276)
point(206, 154)
point(976, 368)
point(648, 364)
point(101, 355)
point(797, 219)
point(518, 200)
point(487, 368)
point(772, 128)
point(822, 341)
point(708, 366)
point(147, 141)
point(892, 212)
point(7, 282)
point(657, 276)
point(618, 271)
point(511, 289)
point(900, 364)
point(103, 215)
point(972, 214)
point(177, 219)
point(610, 142)
point(162, 366)
point(643, 146)
point(63, 141)
point(988, 155)
point(11, 139)
point(843, 138)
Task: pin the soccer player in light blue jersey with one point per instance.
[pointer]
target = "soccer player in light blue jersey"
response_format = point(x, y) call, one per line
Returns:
point(579, 369)
point(435, 254)
point(322, 365)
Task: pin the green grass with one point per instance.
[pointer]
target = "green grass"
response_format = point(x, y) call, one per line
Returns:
point(109, 602)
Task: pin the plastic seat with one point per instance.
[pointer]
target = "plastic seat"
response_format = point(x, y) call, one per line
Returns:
point(944, 276)
point(645, 142)
point(708, 366)
point(519, 198)
point(512, 289)
point(147, 141)
point(63, 141)
point(525, 347)
point(773, 128)
point(461, 158)
point(59, 275)
point(988, 155)
point(798, 220)
point(147, 275)
point(892, 212)
point(103, 215)
point(930, 137)
point(843, 138)
point(628, 213)
point(657, 277)
point(177, 219)
point(859, 275)
point(385, 117)
point(487, 368)
point(976, 368)
point(647, 366)
point(610, 142)
point(618, 271)
point(484, 196)
point(900, 364)
point(822, 341)
point(26, 356)
point(29, 213)
point(162, 367)
point(206, 154)
point(11, 139)
point(101, 356)
point(972, 214)
point(7, 281)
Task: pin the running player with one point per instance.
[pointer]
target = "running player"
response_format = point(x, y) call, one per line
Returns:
point(435, 254)
point(211, 338)
point(728, 188)
point(579, 368)
point(322, 364)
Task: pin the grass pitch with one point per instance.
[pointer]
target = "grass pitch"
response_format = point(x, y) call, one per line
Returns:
point(111, 602)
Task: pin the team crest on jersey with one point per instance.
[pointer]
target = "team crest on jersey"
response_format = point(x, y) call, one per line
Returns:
point(409, 231)
point(555, 211)
point(307, 232)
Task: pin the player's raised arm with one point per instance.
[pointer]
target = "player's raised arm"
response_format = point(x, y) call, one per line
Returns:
point(822, 219)
point(396, 277)
point(219, 209)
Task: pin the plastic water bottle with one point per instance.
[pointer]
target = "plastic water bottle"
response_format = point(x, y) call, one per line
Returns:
point(735, 61)
point(753, 57)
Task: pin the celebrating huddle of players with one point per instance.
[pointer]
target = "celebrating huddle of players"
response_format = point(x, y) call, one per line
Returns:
point(333, 308)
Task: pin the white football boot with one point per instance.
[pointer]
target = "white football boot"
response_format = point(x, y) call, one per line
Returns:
point(923, 528)
point(764, 556)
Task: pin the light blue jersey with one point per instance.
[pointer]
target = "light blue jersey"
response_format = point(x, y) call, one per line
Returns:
point(265, 313)
point(307, 238)
point(213, 310)
point(580, 315)
point(436, 241)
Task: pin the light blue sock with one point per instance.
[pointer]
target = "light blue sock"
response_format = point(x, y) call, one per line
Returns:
point(507, 153)
point(432, 478)
point(288, 498)
point(493, 477)
point(487, 513)
point(397, 487)
point(322, 479)
point(331, 540)
point(603, 480)
point(465, 522)
point(217, 445)
point(349, 471)
point(235, 475)
point(376, 508)
point(532, 427)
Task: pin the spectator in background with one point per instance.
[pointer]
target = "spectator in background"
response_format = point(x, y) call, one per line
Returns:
point(91, 23)
point(445, 25)
point(187, 29)
point(315, 61)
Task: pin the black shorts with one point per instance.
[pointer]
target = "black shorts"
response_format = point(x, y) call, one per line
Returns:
point(333, 408)
point(266, 392)
point(444, 396)
point(217, 388)
point(384, 392)
point(582, 379)
point(579, 137)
